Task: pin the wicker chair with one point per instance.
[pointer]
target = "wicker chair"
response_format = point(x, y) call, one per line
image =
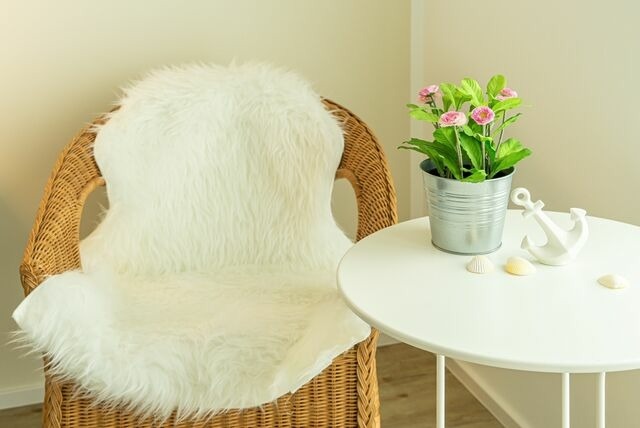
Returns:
point(343, 395)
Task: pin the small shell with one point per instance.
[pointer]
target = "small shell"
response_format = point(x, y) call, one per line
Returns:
point(519, 266)
point(613, 281)
point(480, 264)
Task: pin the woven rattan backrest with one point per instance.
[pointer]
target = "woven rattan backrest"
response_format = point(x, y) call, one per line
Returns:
point(365, 166)
point(53, 244)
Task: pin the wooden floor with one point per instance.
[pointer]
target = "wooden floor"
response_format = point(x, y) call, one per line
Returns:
point(21, 417)
point(407, 396)
point(407, 378)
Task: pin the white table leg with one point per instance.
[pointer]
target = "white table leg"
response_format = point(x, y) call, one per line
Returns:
point(566, 407)
point(600, 409)
point(440, 391)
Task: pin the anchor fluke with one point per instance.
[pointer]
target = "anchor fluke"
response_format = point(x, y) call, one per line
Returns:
point(577, 214)
point(526, 243)
point(562, 245)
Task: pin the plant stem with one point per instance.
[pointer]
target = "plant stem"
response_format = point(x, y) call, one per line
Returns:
point(459, 150)
point(434, 110)
point(484, 154)
point(501, 132)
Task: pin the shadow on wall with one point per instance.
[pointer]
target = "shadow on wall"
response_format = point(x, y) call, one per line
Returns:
point(12, 243)
point(10, 254)
point(14, 233)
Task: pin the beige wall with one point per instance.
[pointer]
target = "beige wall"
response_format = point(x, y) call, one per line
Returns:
point(576, 64)
point(62, 62)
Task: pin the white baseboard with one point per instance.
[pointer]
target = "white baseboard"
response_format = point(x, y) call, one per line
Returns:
point(22, 396)
point(505, 416)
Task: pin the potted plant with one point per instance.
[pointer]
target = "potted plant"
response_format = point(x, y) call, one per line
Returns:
point(470, 164)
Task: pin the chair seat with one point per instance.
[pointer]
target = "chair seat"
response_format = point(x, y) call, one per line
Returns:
point(196, 342)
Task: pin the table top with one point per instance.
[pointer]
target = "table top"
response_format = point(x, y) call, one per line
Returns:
point(557, 320)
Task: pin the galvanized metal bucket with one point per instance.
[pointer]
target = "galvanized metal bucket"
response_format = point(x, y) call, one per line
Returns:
point(466, 218)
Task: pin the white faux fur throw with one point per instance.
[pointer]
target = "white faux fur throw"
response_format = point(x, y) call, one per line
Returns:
point(210, 282)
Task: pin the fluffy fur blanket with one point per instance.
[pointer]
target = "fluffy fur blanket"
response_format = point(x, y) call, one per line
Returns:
point(210, 282)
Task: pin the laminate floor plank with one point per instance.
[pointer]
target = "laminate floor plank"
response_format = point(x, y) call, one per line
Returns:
point(21, 417)
point(407, 378)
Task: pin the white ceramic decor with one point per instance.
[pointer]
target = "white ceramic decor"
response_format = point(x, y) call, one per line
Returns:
point(562, 245)
point(519, 266)
point(480, 264)
point(613, 281)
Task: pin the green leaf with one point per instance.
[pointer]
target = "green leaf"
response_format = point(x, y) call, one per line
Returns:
point(432, 154)
point(446, 135)
point(477, 129)
point(490, 150)
point(507, 104)
point(453, 166)
point(473, 148)
point(477, 176)
point(448, 97)
point(509, 161)
point(431, 149)
point(509, 146)
point(442, 150)
point(413, 106)
point(461, 97)
point(420, 114)
point(449, 157)
point(467, 130)
point(415, 143)
point(496, 84)
point(437, 161)
point(473, 90)
point(509, 153)
point(506, 123)
point(482, 138)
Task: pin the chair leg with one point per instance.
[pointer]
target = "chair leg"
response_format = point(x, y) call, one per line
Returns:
point(368, 395)
point(51, 407)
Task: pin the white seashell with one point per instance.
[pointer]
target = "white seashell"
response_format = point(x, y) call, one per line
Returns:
point(519, 266)
point(480, 264)
point(613, 281)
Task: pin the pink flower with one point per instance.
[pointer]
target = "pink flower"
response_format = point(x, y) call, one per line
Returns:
point(483, 115)
point(427, 92)
point(506, 93)
point(453, 118)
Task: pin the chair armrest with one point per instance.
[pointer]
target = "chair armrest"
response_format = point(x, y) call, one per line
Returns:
point(53, 243)
point(364, 165)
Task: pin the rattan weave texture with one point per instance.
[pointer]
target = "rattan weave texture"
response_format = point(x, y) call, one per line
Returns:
point(345, 394)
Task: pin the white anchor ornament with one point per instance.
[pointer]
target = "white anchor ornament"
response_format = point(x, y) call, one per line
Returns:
point(562, 245)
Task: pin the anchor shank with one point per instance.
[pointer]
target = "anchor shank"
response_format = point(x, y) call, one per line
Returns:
point(555, 234)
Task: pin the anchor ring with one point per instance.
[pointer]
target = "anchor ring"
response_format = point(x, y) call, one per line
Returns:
point(521, 196)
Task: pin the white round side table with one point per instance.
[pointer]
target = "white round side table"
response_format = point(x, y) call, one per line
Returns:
point(557, 320)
